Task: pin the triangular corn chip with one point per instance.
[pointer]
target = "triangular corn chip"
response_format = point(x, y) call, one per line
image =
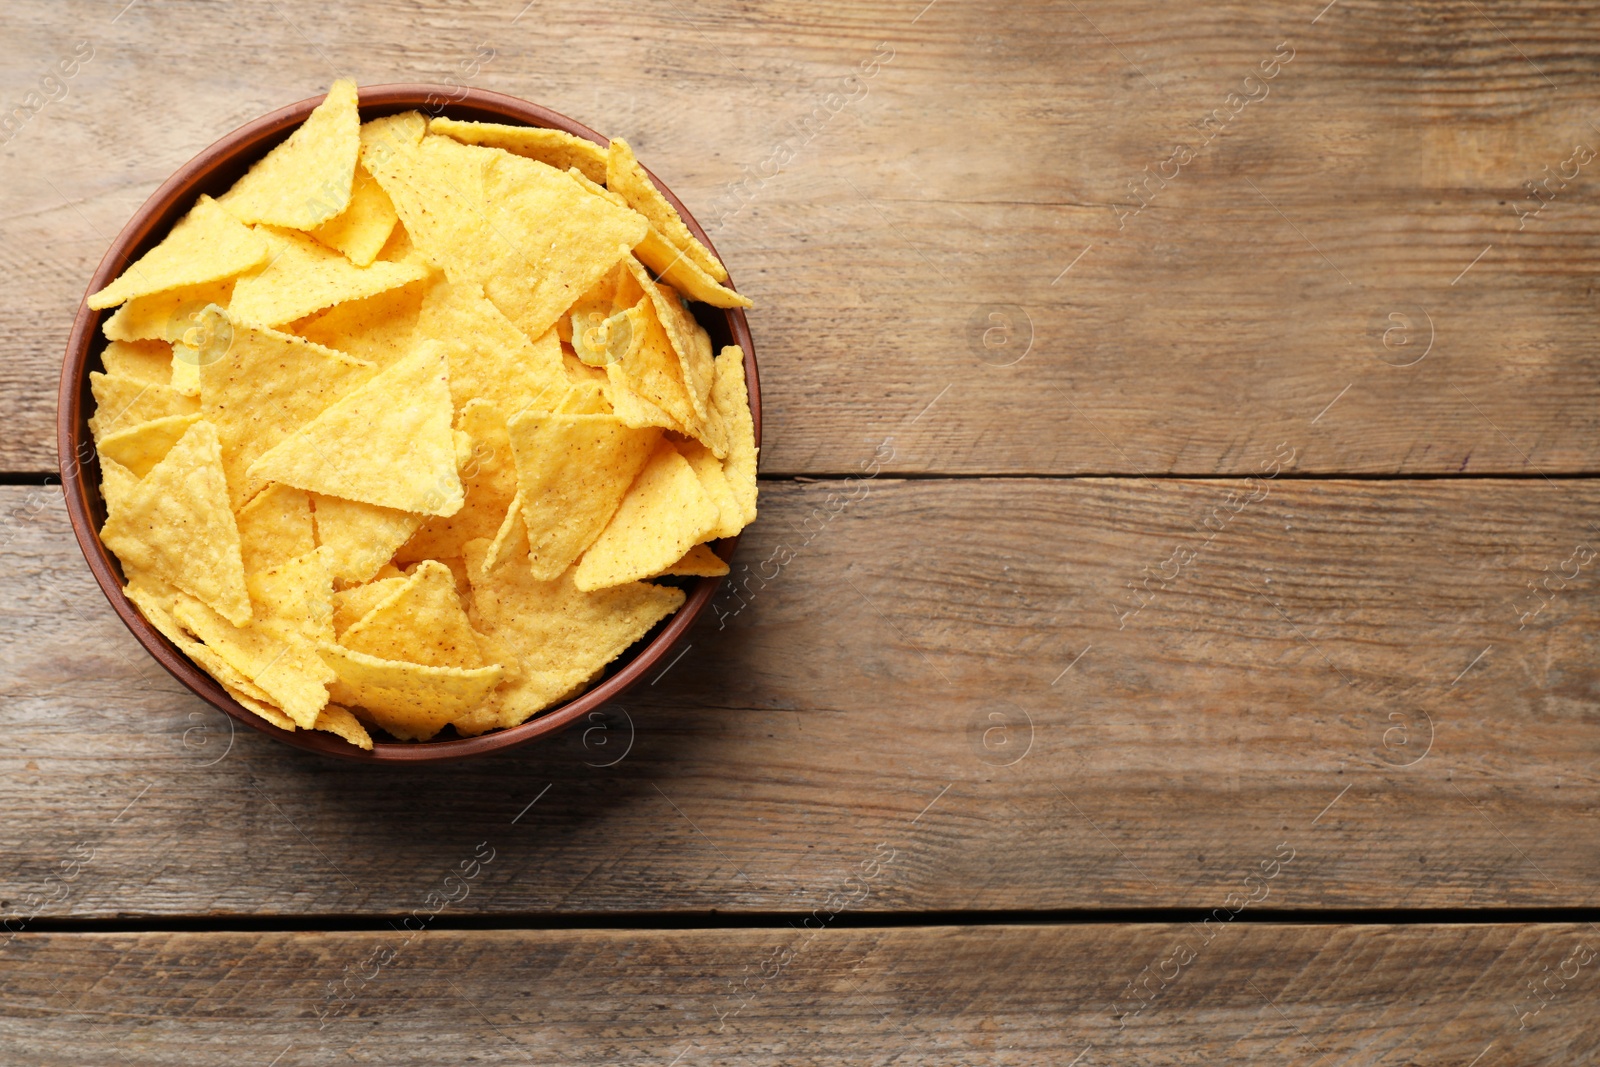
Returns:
point(379, 329)
point(305, 181)
point(624, 175)
point(663, 515)
point(386, 443)
point(287, 669)
point(206, 244)
point(148, 361)
point(176, 525)
point(572, 472)
point(679, 271)
point(168, 315)
point(556, 147)
point(490, 357)
point(422, 621)
point(294, 599)
point(560, 635)
point(275, 527)
point(528, 233)
point(155, 601)
point(351, 605)
point(123, 402)
point(261, 386)
point(489, 478)
point(362, 229)
point(117, 484)
point(141, 446)
point(698, 562)
point(732, 404)
point(692, 345)
point(410, 700)
point(357, 539)
point(653, 371)
point(336, 720)
point(303, 277)
point(714, 480)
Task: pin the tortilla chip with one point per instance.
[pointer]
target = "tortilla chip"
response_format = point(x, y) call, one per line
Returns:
point(663, 515)
point(176, 525)
point(562, 637)
point(141, 446)
point(692, 345)
point(275, 527)
point(624, 175)
point(357, 539)
point(258, 386)
point(732, 404)
point(489, 357)
point(363, 228)
point(166, 316)
point(558, 148)
point(305, 181)
point(206, 244)
point(148, 361)
point(336, 720)
point(386, 443)
point(186, 369)
point(572, 472)
point(504, 222)
point(117, 484)
point(679, 271)
point(422, 621)
point(294, 599)
point(303, 277)
point(379, 329)
point(698, 562)
point(584, 398)
point(288, 670)
point(120, 403)
point(382, 138)
point(714, 480)
point(489, 478)
point(351, 605)
point(653, 372)
point(409, 700)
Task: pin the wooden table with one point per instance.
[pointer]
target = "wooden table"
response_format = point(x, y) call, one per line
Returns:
point(1171, 631)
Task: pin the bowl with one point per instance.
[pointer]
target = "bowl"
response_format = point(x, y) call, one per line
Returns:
point(213, 171)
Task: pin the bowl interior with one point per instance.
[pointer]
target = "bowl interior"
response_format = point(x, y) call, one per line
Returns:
point(212, 172)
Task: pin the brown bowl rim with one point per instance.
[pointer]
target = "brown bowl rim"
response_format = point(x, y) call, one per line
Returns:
point(251, 141)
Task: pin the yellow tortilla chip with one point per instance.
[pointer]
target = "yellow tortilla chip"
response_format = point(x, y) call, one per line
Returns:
point(653, 372)
point(692, 345)
point(336, 720)
point(379, 329)
point(140, 447)
point(572, 472)
point(624, 175)
point(584, 398)
point(206, 244)
point(732, 404)
point(387, 443)
point(303, 277)
point(363, 228)
point(528, 233)
point(412, 701)
point(679, 271)
point(698, 562)
point(305, 181)
point(594, 186)
point(382, 138)
point(562, 637)
point(489, 478)
point(294, 599)
point(357, 539)
point(258, 386)
point(148, 361)
point(261, 708)
point(489, 357)
point(663, 515)
point(166, 316)
point(117, 484)
point(176, 525)
point(288, 670)
point(420, 622)
point(558, 148)
point(120, 403)
point(714, 480)
point(351, 605)
point(275, 527)
point(186, 369)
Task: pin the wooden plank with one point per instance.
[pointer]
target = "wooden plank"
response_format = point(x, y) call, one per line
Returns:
point(1147, 994)
point(1371, 194)
point(950, 668)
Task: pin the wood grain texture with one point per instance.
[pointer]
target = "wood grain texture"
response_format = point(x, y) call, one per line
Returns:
point(951, 669)
point(884, 220)
point(1425, 994)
